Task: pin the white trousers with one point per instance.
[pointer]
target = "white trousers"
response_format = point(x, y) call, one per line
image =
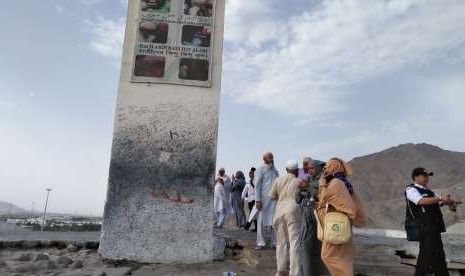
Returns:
point(287, 230)
point(261, 231)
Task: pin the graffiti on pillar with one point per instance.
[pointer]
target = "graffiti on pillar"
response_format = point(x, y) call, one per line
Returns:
point(175, 198)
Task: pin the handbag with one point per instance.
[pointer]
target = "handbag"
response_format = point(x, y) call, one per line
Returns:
point(412, 226)
point(337, 228)
point(319, 231)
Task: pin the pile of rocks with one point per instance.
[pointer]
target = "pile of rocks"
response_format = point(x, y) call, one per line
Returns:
point(73, 260)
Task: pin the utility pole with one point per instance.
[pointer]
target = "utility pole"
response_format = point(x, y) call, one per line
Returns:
point(45, 210)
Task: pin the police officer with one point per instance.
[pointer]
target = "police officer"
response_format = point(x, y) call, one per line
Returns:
point(427, 205)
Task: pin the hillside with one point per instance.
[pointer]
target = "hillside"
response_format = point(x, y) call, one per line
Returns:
point(381, 177)
point(9, 208)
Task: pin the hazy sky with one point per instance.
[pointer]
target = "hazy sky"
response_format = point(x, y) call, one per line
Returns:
point(301, 77)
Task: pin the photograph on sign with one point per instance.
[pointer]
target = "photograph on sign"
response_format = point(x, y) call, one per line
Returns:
point(199, 36)
point(198, 8)
point(193, 69)
point(161, 6)
point(150, 66)
point(153, 32)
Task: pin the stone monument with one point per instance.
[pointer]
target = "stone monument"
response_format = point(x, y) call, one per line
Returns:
point(159, 205)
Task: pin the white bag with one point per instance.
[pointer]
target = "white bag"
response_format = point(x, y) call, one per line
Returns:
point(253, 214)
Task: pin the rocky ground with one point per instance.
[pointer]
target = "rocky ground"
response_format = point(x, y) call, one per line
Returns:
point(75, 254)
point(86, 262)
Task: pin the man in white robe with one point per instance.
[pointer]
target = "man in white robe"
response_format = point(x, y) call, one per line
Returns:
point(287, 221)
point(266, 176)
point(219, 203)
point(227, 184)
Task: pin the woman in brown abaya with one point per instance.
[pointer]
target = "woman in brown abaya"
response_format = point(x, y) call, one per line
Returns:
point(341, 196)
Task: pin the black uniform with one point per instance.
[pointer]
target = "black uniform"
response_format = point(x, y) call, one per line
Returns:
point(431, 258)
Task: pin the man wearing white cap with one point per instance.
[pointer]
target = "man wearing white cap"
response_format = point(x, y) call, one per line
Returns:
point(287, 221)
point(266, 176)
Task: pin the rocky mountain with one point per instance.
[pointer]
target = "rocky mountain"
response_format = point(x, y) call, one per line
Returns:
point(9, 208)
point(381, 178)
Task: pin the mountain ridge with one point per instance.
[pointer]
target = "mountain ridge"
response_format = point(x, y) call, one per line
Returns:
point(8, 208)
point(381, 178)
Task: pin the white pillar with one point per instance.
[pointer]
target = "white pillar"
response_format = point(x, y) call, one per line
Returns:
point(159, 198)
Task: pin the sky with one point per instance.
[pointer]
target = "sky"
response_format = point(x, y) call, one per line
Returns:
point(300, 78)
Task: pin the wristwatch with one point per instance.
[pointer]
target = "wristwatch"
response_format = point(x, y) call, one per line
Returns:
point(440, 201)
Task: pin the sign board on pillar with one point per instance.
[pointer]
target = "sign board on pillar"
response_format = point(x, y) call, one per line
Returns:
point(159, 197)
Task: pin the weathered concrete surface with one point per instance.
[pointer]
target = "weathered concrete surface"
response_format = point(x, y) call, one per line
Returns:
point(159, 199)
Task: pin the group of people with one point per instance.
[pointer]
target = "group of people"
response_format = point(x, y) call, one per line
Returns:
point(230, 196)
point(292, 208)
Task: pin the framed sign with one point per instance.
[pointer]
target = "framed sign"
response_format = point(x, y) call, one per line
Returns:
point(174, 42)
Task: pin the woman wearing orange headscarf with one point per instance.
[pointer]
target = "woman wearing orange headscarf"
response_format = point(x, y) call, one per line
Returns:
point(341, 196)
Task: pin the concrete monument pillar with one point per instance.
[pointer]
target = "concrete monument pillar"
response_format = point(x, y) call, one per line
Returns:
point(159, 205)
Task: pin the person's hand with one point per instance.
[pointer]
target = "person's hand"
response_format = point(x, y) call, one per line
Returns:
point(447, 200)
point(259, 206)
point(303, 184)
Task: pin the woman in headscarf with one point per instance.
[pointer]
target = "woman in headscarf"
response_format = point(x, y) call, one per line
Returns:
point(236, 199)
point(248, 194)
point(341, 196)
point(310, 246)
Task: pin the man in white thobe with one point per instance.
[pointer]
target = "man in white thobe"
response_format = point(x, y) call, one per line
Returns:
point(227, 184)
point(287, 221)
point(266, 176)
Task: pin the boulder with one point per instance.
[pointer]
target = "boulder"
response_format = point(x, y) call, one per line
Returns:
point(58, 244)
point(24, 257)
point(26, 269)
point(42, 257)
point(231, 243)
point(45, 243)
point(116, 271)
point(74, 273)
point(229, 252)
point(219, 244)
point(78, 264)
point(92, 245)
point(45, 265)
point(30, 244)
point(71, 248)
point(88, 251)
point(81, 244)
point(63, 261)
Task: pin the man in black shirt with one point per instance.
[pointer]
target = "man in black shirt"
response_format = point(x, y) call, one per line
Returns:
point(426, 205)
